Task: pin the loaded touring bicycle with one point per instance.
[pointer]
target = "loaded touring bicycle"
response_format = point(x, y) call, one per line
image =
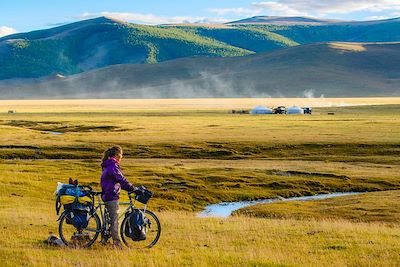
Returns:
point(85, 218)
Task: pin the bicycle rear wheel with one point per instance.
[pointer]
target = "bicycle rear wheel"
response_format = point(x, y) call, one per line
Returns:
point(73, 237)
point(153, 229)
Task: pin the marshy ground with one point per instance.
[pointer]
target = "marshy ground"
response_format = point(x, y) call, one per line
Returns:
point(197, 155)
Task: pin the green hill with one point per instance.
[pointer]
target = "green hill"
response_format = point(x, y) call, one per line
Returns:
point(387, 31)
point(329, 69)
point(91, 44)
point(102, 42)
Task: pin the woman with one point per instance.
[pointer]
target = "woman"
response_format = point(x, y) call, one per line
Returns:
point(112, 181)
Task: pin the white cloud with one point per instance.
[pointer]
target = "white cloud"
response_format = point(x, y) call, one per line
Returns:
point(395, 14)
point(236, 11)
point(4, 30)
point(324, 7)
point(315, 8)
point(279, 9)
point(212, 21)
point(150, 18)
point(376, 17)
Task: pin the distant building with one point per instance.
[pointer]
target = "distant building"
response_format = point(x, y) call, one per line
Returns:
point(260, 110)
point(295, 110)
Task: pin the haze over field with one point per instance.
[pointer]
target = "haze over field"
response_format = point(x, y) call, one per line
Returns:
point(167, 105)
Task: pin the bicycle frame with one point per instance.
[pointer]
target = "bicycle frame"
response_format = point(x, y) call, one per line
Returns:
point(104, 222)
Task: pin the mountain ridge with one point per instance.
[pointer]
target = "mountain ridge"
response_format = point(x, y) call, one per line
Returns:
point(96, 43)
point(331, 69)
point(278, 20)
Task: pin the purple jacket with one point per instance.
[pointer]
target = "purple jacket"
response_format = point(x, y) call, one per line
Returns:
point(112, 180)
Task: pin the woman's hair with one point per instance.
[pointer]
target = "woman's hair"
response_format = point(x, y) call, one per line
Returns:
point(112, 152)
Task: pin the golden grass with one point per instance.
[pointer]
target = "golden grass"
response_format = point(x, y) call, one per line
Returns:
point(190, 241)
point(192, 184)
point(155, 129)
point(354, 47)
point(369, 207)
point(193, 152)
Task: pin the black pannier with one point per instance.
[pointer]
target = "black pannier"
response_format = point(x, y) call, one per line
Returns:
point(77, 215)
point(136, 226)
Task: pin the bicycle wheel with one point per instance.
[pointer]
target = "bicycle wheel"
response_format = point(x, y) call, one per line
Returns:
point(73, 237)
point(153, 229)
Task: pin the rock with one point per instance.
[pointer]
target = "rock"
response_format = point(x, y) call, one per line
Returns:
point(53, 240)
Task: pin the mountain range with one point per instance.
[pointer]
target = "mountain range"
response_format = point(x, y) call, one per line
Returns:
point(251, 57)
point(329, 69)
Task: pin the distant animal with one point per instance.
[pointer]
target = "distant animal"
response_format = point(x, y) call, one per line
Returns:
point(12, 111)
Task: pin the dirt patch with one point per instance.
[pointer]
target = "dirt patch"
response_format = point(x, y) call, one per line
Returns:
point(61, 127)
point(17, 147)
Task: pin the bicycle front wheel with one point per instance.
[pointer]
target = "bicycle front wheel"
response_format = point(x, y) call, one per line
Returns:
point(152, 228)
point(73, 237)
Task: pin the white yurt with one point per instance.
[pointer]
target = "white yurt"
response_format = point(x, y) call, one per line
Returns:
point(261, 110)
point(295, 110)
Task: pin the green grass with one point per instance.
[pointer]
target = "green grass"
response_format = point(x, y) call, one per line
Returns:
point(161, 43)
point(252, 39)
point(37, 55)
point(305, 34)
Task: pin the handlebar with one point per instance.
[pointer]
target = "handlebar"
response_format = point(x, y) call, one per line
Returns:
point(136, 191)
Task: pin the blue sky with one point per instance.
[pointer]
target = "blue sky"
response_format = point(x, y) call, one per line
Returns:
point(27, 15)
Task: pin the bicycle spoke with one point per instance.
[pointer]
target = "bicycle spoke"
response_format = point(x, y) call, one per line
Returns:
point(80, 238)
point(152, 234)
point(92, 230)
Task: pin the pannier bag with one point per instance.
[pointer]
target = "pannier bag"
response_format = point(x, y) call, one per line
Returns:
point(65, 200)
point(78, 215)
point(136, 226)
point(143, 195)
point(77, 203)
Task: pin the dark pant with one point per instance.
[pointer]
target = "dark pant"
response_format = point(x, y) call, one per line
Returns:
point(113, 209)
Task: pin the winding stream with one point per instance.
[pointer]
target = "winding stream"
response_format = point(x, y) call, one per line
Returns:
point(225, 209)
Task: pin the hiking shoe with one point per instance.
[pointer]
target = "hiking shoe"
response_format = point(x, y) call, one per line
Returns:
point(118, 245)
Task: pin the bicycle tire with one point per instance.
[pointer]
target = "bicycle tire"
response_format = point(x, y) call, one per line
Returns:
point(63, 224)
point(125, 239)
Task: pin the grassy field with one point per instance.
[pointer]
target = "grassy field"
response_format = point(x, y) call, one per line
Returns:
point(190, 241)
point(369, 207)
point(192, 154)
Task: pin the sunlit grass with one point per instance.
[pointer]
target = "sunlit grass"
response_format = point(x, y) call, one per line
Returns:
point(369, 207)
point(190, 241)
point(195, 153)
